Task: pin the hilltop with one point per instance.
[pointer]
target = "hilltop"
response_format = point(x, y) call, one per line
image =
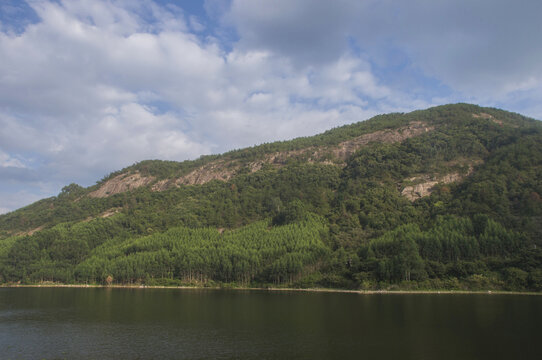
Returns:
point(448, 197)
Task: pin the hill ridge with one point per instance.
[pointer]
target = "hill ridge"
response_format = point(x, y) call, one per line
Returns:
point(224, 170)
point(448, 197)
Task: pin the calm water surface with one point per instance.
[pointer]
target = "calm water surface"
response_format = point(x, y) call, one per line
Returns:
point(64, 323)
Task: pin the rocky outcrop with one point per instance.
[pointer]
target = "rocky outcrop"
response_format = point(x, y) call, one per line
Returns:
point(414, 192)
point(347, 148)
point(121, 183)
point(105, 214)
point(224, 170)
point(29, 232)
point(216, 170)
point(109, 213)
point(425, 187)
point(482, 116)
point(487, 117)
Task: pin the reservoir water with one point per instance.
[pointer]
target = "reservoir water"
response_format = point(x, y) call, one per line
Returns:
point(101, 323)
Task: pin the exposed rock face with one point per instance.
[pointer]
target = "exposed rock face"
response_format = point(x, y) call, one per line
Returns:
point(423, 189)
point(216, 170)
point(105, 214)
point(483, 116)
point(121, 183)
point(225, 170)
point(347, 148)
point(487, 117)
point(30, 232)
point(109, 212)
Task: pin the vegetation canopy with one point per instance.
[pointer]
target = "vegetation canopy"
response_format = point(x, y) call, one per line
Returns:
point(444, 198)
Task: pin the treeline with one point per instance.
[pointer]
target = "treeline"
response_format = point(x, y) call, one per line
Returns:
point(478, 250)
point(255, 253)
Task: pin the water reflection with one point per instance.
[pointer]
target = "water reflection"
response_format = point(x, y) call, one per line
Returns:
point(94, 323)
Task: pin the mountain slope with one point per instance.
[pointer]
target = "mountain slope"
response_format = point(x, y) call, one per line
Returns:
point(444, 197)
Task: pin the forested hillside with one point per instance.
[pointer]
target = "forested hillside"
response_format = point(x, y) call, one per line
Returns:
point(444, 198)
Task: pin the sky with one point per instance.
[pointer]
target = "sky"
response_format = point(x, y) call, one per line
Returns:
point(88, 87)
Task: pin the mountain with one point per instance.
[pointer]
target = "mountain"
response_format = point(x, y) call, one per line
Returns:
point(443, 198)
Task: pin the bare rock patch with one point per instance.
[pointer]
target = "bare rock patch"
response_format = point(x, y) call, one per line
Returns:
point(121, 183)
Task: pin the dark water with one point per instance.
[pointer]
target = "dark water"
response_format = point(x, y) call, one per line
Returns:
point(60, 323)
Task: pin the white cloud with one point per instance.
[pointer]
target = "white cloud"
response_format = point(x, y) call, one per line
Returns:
point(8, 161)
point(482, 51)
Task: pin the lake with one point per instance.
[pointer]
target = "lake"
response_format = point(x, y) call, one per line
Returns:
point(102, 323)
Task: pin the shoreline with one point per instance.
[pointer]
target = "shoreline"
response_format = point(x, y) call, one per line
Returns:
point(275, 289)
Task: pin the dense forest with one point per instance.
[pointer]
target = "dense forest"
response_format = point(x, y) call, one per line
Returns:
point(444, 198)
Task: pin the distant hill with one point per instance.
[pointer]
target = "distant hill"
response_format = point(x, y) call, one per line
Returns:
point(443, 198)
